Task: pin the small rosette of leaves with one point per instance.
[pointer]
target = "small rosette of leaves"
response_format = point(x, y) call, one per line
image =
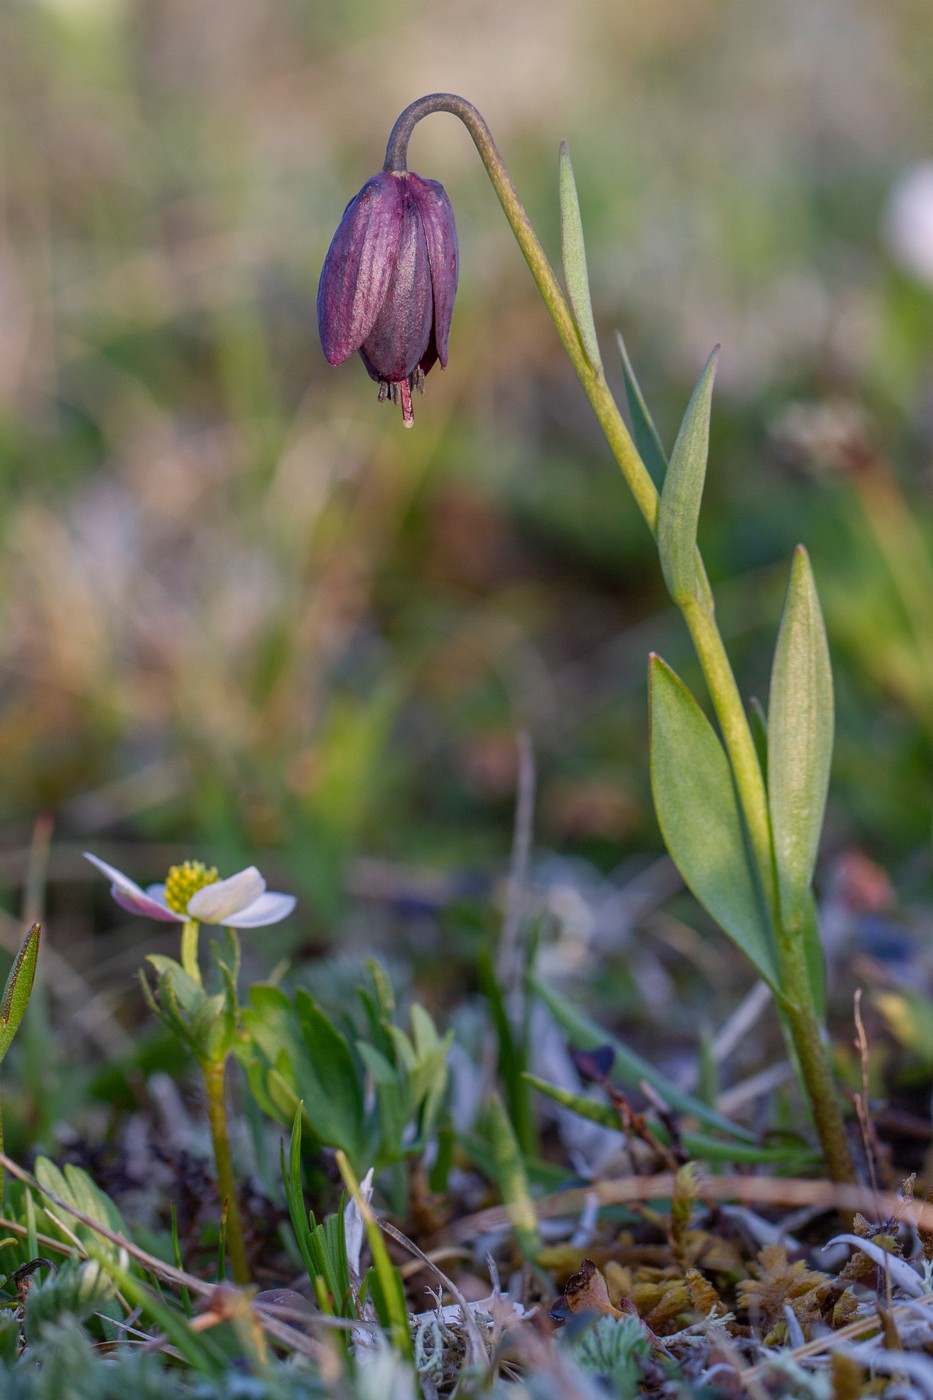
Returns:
point(295, 1053)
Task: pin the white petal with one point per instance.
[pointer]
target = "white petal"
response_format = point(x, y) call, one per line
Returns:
point(353, 1227)
point(269, 908)
point(908, 221)
point(130, 896)
point(215, 904)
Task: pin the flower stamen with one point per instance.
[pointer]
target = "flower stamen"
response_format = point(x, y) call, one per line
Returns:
point(185, 880)
point(408, 413)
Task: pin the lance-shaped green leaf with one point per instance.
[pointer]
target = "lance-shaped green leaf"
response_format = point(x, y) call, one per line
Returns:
point(697, 1144)
point(643, 430)
point(18, 988)
point(695, 801)
point(573, 253)
point(628, 1067)
point(800, 739)
point(679, 510)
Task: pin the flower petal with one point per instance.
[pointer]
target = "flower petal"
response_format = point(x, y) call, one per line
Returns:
point(440, 231)
point(402, 330)
point(269, 908)
point(215, 904)
point(130, 896)
point(359, 266)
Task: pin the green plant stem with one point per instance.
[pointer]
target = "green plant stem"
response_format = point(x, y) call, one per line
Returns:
point(214, 1080)
point(189, 949)
point(698, 613)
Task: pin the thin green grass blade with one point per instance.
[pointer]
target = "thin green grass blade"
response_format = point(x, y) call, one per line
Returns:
point(512, 1178)
point(183, 1293)
point(512, 1059)
point(202, 1354)
point(390, 1296)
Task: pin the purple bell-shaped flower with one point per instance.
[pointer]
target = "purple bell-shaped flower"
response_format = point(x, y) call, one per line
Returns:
point(388, 283)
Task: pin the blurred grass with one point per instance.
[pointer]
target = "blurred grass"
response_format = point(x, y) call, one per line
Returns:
point(241, 608)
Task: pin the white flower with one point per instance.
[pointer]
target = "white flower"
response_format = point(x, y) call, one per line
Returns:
point(242, 901)
point(908, 221)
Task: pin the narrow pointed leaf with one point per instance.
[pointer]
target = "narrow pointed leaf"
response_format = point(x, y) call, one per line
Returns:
point(695, 801)
point(628, 1068)
point(512, 1179)
point(697, 1144)
point(758, 722)
point(18, 988)
point(643, 430)
point(800, 739)
point(573, 253)
point(679, 510)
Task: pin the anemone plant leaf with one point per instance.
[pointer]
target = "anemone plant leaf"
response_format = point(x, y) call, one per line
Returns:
point(309, 1059)
point(643, 430)
point(18, 988)
point(800, 739)
point(679, 509)
point(695, 801)
point(75, 1187)
point(573, 253)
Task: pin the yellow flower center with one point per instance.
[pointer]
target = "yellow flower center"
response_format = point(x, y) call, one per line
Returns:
point(185, 880)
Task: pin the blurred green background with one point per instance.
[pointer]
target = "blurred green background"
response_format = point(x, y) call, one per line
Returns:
point(247, 615)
